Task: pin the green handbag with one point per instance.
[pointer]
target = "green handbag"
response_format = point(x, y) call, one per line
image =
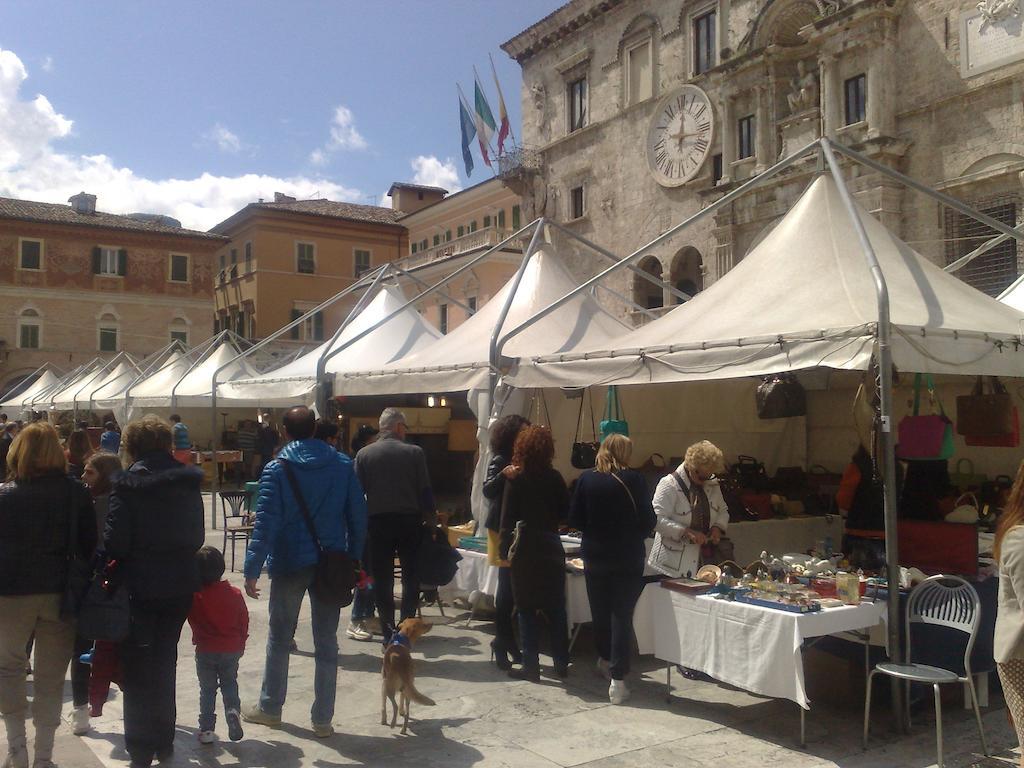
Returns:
point(613, 422)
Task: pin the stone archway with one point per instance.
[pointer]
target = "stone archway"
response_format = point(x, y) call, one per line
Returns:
point(645, 293)
point(687, 272)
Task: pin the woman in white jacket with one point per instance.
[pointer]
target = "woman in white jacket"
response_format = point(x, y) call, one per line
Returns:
point(691, 511)
point(1008, 644)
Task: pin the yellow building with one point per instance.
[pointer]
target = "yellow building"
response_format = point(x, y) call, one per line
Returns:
point(285, 257)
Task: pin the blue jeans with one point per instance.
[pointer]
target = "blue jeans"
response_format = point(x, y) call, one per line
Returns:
point(286, 593)
point(216, 670)
point(558, 625)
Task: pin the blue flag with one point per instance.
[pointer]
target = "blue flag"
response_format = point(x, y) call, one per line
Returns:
point(468, 132)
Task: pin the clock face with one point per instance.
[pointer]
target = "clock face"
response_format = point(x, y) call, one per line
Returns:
point(679, 139)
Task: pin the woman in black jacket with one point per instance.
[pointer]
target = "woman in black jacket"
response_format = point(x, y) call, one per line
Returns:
point(535, 506)
point(154, 528)
point(613, 511)
point(40, 507)
point(503, 438)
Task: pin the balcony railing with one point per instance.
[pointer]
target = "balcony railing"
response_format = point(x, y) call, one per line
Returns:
point(482, 238)
point(519, 161)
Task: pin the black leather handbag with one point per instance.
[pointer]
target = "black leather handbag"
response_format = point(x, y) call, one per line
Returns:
point(781, 396)
point(584, 453)
point(105, 613)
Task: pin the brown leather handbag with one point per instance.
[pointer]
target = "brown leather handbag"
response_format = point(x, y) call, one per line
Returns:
point(985, 414)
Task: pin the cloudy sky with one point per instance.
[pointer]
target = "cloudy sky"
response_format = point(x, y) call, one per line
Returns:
point(193, 109)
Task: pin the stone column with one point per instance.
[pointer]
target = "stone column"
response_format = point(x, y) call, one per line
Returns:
point(764, 129)
point(728, 131)
point(881, 107)
point(830, 96)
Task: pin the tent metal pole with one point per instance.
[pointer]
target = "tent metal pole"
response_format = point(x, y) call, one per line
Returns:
point(424, 284)
point(145, 374)
point(717, 205)
point(321, 385)
point(92, 394)
point(981, 250)
point(627, 301)
point(507, 305)
point(884, 333)
point(106, 367)
point(632, 268)
point(215, 342)
point(63, 383)
point(37, 372)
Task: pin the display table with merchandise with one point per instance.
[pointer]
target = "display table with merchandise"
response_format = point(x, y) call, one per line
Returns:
point(751, 647)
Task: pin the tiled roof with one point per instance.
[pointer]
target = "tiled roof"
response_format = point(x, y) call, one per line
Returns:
point(373, 214)
point(53, 213)
point(421, 187)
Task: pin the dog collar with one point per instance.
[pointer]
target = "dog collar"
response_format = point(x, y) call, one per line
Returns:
point(399, 639)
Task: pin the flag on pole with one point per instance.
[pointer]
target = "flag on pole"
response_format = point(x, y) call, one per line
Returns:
point(468, 132)
point(504, 129)
point(484, 120)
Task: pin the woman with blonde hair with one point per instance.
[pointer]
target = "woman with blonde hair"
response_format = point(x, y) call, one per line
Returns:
point(611, 508)
point(39, 508)
point(1008, 643)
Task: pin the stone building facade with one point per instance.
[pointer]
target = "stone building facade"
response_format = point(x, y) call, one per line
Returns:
point(932, 88)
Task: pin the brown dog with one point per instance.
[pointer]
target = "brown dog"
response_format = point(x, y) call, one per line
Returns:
point(398, 673)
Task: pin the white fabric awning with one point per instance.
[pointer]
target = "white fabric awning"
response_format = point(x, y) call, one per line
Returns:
point(803, 298)
point(295, 383)
point(77, 390)
point(116, 380)
point(46, 381)
point(460, 360)
point(194, 390)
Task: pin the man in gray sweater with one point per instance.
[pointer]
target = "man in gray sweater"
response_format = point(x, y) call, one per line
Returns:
point(394, 476)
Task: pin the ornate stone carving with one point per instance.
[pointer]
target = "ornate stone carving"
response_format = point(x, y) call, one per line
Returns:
point(828, 7)
point(539, 94)
point(805, 91)
point(998, 10)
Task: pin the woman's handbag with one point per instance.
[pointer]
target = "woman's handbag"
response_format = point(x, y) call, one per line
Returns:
point(614, 422)
point(584, 454)
point(1009, 440)
point(982, 414)
point(925, 436)
point(781, 396)
point(437, 560)
point(537, 561)
point(963, 477)
point(336, 573)
point(105, 613)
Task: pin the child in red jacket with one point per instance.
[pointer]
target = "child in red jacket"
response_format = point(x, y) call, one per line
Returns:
point(220, 626)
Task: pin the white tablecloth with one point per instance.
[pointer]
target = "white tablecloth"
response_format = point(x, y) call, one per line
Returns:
point(792, 534)
point(754, 648)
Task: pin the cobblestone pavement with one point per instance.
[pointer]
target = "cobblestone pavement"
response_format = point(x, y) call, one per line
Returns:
point(484, 719)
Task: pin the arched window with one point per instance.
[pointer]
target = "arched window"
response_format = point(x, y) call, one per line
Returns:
point(30, 329)
point(687, 273)
point(178, 330)
point(108, 333)
point(645, 293)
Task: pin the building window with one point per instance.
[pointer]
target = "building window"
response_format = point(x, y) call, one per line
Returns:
point(29, 325)
point(639, 82)
point(415, 247)
point(437, 240)
point(362, 262)
point(109, 261)
point(517, 216)
point(423, 244)
point(501, 219)
point(179, 331)
point(856, 90)
point(313, 327)
point(472, 226)
point(234, 255)
point(223, 260)
point(296, 331)
point(30, 254)
point(443, 320)
point(745, 137)
point(487, 222)
point(460, 231)
point(447, 235)
point(704, 54)
point(471, 303)
point(997, 268)
point(179, 268)
point(645, 293)
point(108, 333)
point(305, 258)
point(577, 94)
point(248, 258)
point(716, 168)
point(577, 206)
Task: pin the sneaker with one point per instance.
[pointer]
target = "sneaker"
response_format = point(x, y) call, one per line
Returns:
point(207, 737)
point(17, 758)
point(603, 668)
point(80, 720)
point(234, 725)
point(617, 691)
point(357, 631)
point(43, 763)
point(323, 730)
point(256, 715)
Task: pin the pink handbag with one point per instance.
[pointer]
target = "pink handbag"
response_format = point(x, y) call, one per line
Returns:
point(925, 436)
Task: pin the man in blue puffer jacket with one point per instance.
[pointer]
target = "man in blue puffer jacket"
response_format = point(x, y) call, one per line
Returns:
point(281, 539)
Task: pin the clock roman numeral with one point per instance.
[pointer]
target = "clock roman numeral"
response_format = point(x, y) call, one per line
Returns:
point(701, 144)
point(704, 127)
point(697, 115)
point(661, 144)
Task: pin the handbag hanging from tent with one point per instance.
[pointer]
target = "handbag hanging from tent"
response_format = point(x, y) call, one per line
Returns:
point(925, 436)
point(614, 422)
point(584, 453)
point(540, 402)
point(781, 396)
point(986, 414)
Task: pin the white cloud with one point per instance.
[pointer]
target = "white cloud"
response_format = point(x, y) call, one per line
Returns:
point(33, 169)
point(224, 139)
point(47, 65)
point(343, 137)
point(432, 172)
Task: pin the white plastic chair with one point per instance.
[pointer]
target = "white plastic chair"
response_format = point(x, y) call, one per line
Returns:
point(942, 601)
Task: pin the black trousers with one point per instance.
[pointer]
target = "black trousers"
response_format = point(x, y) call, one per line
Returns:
point(613, 596)
point(149, 659)
point(392, 535)
point(504, 607)
point(80, 672)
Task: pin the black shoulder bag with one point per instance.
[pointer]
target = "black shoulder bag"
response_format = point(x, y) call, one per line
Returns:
point(584, 453)
point(335, 575)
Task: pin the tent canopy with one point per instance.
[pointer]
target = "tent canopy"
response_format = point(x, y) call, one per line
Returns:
point(194, 390)
point(46, 381)
point(460, 360)
point(295, 382)
point(112, 383)
point(75, 392)
point(802, 298)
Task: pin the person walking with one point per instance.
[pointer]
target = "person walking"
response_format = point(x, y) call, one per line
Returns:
point(400, 500)
point(503, 438)
point(281, 539)
point(10, 431)
point(266, 442)
point(1008, 642)
point(110, 440)
point(182, 442)
point(78, 450)
point(361, 623)
point(536, 504)
point(40, 507)
point(154, 528)
point(611, 508)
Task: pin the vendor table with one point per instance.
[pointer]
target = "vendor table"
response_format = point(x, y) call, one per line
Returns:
point(754, 648)
point(223, 457)
point(781, 535)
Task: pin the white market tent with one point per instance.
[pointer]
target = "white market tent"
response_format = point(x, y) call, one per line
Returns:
point(46, 381)
point(459, 361)
point(392, 332)
point(187, 383)
point(75, 393)
point(804, 298)
point(1014, 295)
point(113, 382)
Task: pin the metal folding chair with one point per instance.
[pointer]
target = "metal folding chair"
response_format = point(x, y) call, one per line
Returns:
point(941, 601)
point(235, 513)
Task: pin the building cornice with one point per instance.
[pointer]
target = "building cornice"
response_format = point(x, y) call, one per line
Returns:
point(556, 26)
point(63, 294)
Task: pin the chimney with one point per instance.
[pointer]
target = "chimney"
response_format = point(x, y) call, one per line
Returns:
point(281, 197)
point(83, 203)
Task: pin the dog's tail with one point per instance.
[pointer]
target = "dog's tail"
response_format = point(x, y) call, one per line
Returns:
point(414, 695)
